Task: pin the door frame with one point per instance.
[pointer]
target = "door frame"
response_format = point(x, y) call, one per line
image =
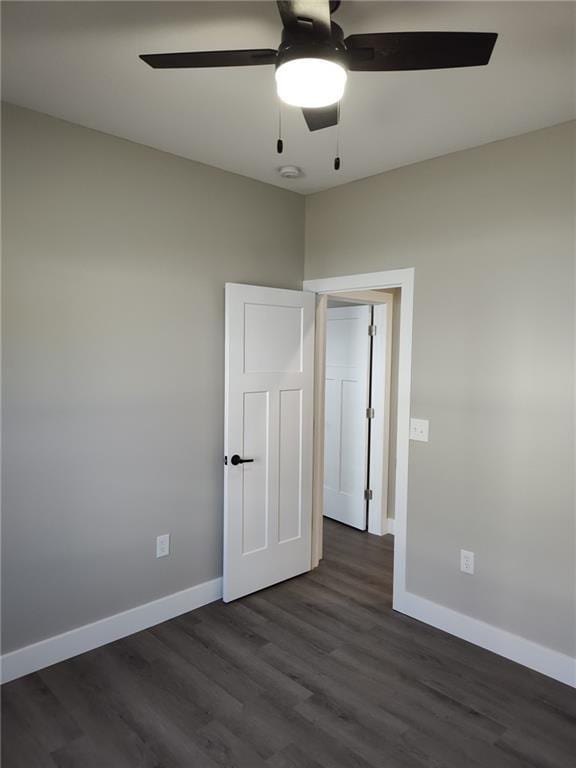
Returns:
point(378, 521)
point(393, 278)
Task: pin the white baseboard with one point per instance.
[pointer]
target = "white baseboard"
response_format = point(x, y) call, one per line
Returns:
point(31, 658)
point(545, 660)
point(383, 528)
point(61, 647)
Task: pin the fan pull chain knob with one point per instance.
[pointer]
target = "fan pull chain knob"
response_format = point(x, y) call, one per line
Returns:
point(337, 158)
point(279, 143)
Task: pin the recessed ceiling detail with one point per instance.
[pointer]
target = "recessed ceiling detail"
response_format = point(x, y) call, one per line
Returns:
point(290, 171)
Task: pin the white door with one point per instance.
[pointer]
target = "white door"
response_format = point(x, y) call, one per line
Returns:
point(346, 422)
point(268, 425)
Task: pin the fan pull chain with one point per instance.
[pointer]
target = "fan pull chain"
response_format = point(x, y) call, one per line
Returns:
point(279, 143)
point(337, 158)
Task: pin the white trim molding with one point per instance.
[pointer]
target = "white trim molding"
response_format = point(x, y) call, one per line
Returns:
point(537, 657)
point(380, 429)
point(389, 526)
point(31, 658)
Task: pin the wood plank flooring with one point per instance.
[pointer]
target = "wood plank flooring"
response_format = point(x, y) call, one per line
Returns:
point(317, 672)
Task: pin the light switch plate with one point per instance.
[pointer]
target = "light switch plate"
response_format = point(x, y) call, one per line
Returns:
point(163, 545)
point(419, 429)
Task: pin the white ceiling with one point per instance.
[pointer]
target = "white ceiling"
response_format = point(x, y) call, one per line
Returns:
point(79, 61)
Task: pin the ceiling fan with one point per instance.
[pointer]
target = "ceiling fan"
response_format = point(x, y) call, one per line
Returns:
point(314, 57)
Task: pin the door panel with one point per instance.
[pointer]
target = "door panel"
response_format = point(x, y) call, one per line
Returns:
point(346, 425)
point(352, 409)
point(332, 434)
point(256, 424)
point(273, 339)
point(269, 400)
point(290, 465)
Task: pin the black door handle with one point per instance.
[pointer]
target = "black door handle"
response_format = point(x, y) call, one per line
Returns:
point(237, 460)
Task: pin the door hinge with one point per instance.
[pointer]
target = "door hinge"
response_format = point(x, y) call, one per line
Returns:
point(368, 494)
point(369, 413)
point(371, 330)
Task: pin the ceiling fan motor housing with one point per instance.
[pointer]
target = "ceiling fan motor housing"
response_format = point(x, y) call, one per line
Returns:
point(302, 43)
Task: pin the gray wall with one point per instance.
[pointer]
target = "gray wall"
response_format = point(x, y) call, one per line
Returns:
point(115, 258)
point(490, 232)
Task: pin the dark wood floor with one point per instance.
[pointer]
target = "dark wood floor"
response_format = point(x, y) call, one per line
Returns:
point(317, 672)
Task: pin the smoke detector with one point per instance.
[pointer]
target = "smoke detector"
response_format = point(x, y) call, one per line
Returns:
point(290, 171)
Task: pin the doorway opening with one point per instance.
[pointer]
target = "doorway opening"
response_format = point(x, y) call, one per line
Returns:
point(360, 353)
point(362, 288)
point(361, 330)
point(359, 453)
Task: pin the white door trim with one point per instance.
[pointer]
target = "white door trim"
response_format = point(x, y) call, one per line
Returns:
point(403, 279)
point(380, 430)
point(318, 439)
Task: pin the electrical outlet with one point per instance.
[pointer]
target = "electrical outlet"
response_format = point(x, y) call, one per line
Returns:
point(467, 561)
point(419, 429)
point(163, 545)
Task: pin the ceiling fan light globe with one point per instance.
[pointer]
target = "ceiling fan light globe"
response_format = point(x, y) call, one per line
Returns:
point(310, 82)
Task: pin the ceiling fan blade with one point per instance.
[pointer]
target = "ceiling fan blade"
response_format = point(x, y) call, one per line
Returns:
point(321, 117)
point(395, 51)
point(296, 14)
point(199, 59)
